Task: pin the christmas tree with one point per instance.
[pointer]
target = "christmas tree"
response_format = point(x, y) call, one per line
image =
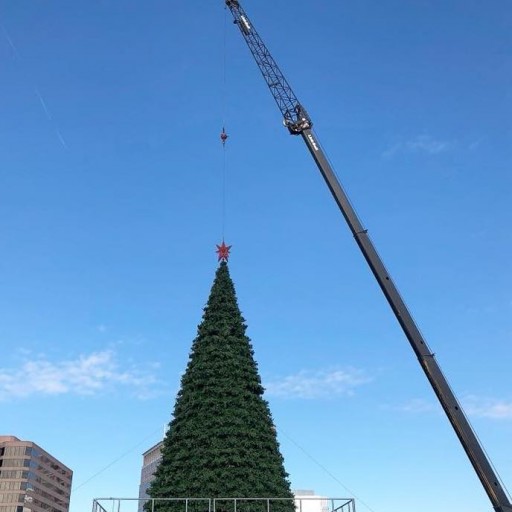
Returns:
point(221, 441)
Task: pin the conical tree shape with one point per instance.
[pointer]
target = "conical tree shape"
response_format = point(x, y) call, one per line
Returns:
point(221, 441)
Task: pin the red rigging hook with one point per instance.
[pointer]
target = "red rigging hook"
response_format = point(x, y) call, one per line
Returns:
point(223, 136)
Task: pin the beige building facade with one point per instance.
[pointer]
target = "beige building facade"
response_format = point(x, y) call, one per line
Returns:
point(32, 480)
point(150, 460)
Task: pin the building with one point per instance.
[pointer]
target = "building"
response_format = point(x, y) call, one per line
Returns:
point(32, 480)
point(308, 501)
point(305, 500)
point(150, 460)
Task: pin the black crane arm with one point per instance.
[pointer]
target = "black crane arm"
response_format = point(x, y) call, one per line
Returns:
point(298, 122)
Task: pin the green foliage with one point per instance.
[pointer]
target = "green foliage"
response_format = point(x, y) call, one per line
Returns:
point(221, 441)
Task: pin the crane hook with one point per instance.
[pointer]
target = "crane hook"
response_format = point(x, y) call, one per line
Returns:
point(223, 136)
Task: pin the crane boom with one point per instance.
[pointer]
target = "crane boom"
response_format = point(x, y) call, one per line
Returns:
point(298, 122)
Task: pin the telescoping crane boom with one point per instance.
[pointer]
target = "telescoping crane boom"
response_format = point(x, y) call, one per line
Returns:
point(298, 122)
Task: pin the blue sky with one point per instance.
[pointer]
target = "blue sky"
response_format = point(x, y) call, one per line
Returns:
point(110, 209)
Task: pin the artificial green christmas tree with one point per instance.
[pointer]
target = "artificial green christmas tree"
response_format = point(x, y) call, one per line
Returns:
point(221, 441)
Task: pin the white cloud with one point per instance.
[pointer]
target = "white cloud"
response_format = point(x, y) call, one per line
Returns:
point(474, 406)
point(492, 408)
point(420, 144)
point(476, 144)
point(427, 144)
point(317, 384)
point(418, 405)
point(88, 374)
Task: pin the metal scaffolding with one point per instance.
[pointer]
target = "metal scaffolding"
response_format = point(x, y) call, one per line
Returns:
point(300, 504)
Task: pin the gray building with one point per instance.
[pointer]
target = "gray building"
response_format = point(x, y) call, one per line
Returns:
point(32, 480)
point(305, 500)
point(150, 460)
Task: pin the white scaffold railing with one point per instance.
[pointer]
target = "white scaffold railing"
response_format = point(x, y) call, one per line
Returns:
point(297, 504)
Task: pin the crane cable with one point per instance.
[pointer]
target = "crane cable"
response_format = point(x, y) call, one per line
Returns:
point(224, 135)
point(321, 466)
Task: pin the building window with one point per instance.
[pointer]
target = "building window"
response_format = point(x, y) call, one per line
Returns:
point(10, 486)
point(11, 508)
point(15, 451)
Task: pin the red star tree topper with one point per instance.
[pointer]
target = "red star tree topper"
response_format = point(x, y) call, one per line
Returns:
point(223, 252)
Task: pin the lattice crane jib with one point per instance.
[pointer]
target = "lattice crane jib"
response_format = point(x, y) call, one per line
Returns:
point(295, 117)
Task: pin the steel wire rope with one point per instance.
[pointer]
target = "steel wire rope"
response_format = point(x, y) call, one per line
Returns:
point(223, 106)
point(419, 330)
point(501, 482)
point(224, 81)
point(319, 464)
point(336, 175)
point(224, 171)
point(117, 459)
point(489, 460)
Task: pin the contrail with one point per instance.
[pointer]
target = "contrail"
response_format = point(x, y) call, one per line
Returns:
point(9, 40)
point(43, 104)
point(61, 138)
point(50, 118)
